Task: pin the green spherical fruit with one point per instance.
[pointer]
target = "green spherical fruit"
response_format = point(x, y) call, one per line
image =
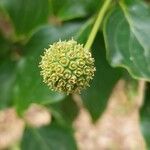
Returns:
point(67, 66)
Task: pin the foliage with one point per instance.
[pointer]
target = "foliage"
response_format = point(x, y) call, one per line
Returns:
point(27, 27)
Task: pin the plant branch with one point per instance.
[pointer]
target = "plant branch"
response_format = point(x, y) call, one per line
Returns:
point(97, 24)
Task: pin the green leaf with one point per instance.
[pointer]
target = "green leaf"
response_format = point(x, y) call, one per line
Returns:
point(137, 14)
point(96, 96)
point(65, 111)
point(53, 137)
point(49, 34)
point(4, 47)
point(7, 79)
point(29, 86)
point(71, 9)
point(145, 116)
point(127, 38)
point(26, 15)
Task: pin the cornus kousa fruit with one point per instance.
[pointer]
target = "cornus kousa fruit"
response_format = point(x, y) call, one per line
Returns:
point(67, 66)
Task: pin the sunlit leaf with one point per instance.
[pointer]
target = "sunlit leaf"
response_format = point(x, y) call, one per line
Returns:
point(53, 137)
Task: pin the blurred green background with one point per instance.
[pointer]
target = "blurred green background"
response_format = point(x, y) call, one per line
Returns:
point(26, 28)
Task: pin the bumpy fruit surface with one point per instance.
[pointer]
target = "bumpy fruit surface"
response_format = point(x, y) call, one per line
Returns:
point(67, 67)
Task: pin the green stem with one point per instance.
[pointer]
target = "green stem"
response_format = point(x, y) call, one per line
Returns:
point(97, 23)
